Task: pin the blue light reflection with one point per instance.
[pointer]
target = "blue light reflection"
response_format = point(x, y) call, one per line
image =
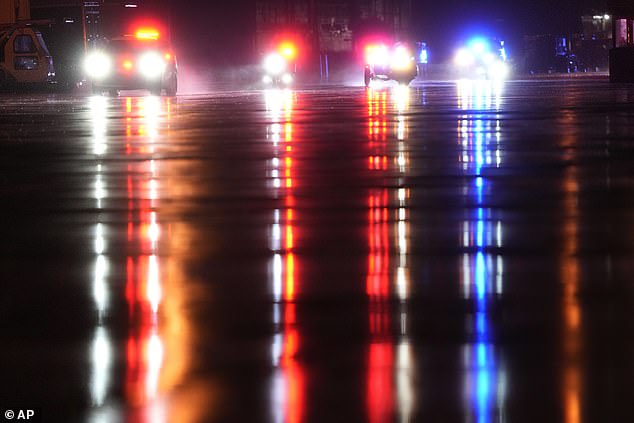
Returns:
point(479, 136)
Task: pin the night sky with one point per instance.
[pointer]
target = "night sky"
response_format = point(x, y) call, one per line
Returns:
point(225, 28)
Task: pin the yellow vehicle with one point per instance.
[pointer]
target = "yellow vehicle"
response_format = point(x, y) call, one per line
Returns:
point(24, 57)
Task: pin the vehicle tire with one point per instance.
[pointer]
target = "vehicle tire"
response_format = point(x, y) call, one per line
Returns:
point(367, 77)
point(171, 87)
point(113, 92)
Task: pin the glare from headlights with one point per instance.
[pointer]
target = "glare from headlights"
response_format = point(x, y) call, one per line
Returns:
point(498, 71)
point(377, 55)
point(464, 58)
point(97, 65)
point(274, 64)
point(488, 58)
point(267, 79)
point(151, 65)
point(401, 59)
point(287, 79)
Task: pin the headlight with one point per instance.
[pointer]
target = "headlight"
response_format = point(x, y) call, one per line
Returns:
point(151, 65)
point(287, 79)
point(464, 58)
point(377, 55)
point(498, 70)
point(401, 59)
point(98, 65)
point(274, 64)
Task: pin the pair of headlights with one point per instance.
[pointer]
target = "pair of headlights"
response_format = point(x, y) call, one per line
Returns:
point(99, 65)
point(286, 79)
point(399, 59)
point(486, 63)
point(276, 68)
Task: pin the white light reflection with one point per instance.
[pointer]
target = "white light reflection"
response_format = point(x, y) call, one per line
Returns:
point(404, 381)
point(277, 278)
point(401, 102)
point(99, 240)
point(402, 239)
point(278, 103)
point(154, 364)
point(101, 349)
point(100, 192)
point(480, 94)
point(154, 291)
point(400, 94)
point(101, 365)
point(100, 290)
point(98, 108)
point(153, 231)
point(150, 111)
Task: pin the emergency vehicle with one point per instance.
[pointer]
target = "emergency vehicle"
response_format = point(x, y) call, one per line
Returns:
point(142, 61)
point(280, 65)
point(382, 63)
point(482, 58)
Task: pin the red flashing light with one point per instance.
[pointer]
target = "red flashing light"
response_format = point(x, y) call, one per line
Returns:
point(288, 50)
point(168, 56)
point(147, 34)
point(127, 64)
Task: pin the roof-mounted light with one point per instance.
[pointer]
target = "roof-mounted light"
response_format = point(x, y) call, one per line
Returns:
point(288, 50)
point(147, 34)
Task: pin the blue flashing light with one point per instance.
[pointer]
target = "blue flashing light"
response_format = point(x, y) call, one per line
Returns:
point(423, 57)
point(479, 45)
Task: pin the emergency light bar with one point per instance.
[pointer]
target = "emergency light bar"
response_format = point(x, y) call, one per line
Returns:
point(147, 34)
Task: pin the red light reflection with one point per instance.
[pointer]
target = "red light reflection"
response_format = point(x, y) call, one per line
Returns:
point(288, 393)
point(144, 346)
point(377, 130)
point(380, 388)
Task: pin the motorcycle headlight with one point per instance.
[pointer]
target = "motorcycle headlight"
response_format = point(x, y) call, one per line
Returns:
point(151, 65)
point(98, 65)
point(274, 64)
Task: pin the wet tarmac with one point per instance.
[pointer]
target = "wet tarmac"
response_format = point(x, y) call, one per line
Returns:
point(443, 253)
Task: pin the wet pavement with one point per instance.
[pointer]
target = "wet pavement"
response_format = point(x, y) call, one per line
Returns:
point(444, 253)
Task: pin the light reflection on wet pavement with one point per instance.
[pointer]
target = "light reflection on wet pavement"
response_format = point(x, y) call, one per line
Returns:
point(447, 252)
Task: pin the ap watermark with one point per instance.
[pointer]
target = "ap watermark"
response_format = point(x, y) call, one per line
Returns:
point(20, 414)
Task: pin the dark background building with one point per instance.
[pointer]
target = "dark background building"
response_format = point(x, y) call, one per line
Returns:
point(329, 26)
